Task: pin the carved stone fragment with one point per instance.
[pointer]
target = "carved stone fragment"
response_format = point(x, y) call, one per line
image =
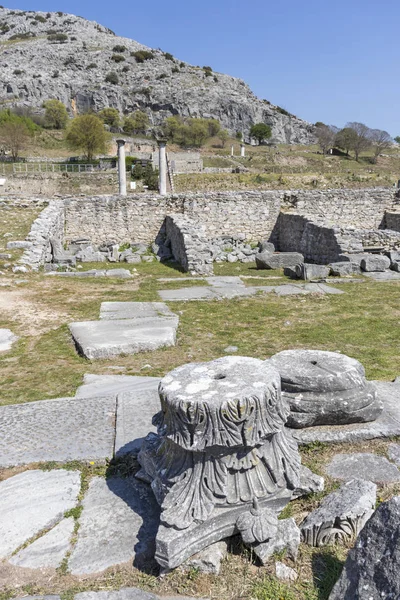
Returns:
point(222, 460)
point(341, 515)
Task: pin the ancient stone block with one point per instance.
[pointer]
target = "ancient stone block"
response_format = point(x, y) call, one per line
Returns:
point(287, 537)
point(374, 263)
point(220, 436)
point(325, 388)
point(341, 515)
point(363, 465)
point(372, 566)
point(311, 271)
point(266, 247)
point(265, 260)
point(89, 255)
point(341, 269)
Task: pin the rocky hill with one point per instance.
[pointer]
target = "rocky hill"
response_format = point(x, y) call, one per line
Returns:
point(57, 55)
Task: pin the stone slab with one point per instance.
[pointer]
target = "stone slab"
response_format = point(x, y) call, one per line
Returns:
point(191, 293)
point(57, 430)
point(385, 426)
point(386, 276)
point(108, 385)
point(49, 550)
point(33, 501)
point(114, 273)
point(363, 465)
point(135, 310)
point(128, 594)
point(290, 290)
point(224, 281)
point(107, 339)
point(135, 410)
point(118, 524)
point(7, 339)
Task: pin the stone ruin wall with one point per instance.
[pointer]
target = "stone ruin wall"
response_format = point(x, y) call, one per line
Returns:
point(254, 214)
point(189, 244)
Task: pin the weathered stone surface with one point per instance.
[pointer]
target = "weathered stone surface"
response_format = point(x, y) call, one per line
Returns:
point(119, 273)
point(265, 260)
point(208, 560)
point(189, 244)
point(394, 453)
point(386, 425)
point(290, 290)
point(19, 245)
point(341, 515)
point(135, 410)
point(287, 538)
point(89, 255)
point(363, 466)
point(325, 388)
point(136, 310)
point(128, 594)
point(106, 339)
point(386, 276)
point(395, 266)
point(310, 271)
point(107, 385)
point(81, 429)
point(342, 269)
point(375, 263)
point(266, 247)
point(118, 524)
point(285, 573)
point(33, 501)
point(190, 293)
point(372, 566)
point(49, 550)
point(7, 339)
point(114, 273)
point(232, 403)
point(310, 483)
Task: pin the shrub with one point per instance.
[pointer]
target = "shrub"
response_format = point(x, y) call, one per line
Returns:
point(71, 60)
point(283, 111)
point(125, 69)
point(142, 55)
point(112, 78)
point(34, 22)
point(18, 72)
point(162, 76)
point(60, 14)
point(175, 70)
point(92, 66)
point(215, 79)
point(118, 48)
point(110, 116)
point(207, 69)
point(118, 58)
point(150, 177)
point(168, 56)
point(182, 65)
point(23, 36)
point(57, 37)
point(74, 39)
point(56, 116)
point(40, 19)
point(56, 74)
point(4, 28)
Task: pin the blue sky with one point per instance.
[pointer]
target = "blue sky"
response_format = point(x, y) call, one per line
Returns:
point(326, 61)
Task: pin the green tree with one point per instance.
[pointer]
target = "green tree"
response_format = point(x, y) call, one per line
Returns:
point(110, 116)
point(397, 139)
point(361, 138)
point(138, 121)
point(56, 116)
point(198, 132)
point(150, 177)
point(14, 135)
point(213, 127)
point(87, 133)
point(345, 139)
point(223, 136)
point(261, 132)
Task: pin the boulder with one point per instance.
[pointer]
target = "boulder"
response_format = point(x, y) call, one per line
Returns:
point(89, 255)
point(325, 388)
point(311, 271)
point(372, 566)
point(266, 260)
point(286, 538)
point(266, 247)
point(395, 266)
point(341, 269)
point(375, 263)
point(290, 272)
point(285, 573)
point(341, 515)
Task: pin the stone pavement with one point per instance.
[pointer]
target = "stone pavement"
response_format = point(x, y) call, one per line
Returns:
point(126, 328)
point(233, 287)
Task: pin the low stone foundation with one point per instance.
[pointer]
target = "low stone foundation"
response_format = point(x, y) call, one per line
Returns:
point(189, 244)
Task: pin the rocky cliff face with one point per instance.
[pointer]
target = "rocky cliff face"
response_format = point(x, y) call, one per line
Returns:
point(37, 64)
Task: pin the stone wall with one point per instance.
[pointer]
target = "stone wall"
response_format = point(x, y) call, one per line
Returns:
point(392, 221)
point(49, 224)
point(49, 184)
point(253, 214)
point(189, 244)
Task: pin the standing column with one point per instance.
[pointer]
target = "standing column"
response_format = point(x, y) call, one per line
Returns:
point(242, 150)
point(121, 167)
point(232, 151)
point(162, 179)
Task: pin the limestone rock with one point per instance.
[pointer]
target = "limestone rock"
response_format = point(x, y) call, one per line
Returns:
point(7, 339)
point(310, 271)
point(342, 269)
point(266, 247)
point(89, 255)
point(372, 566)
point(208, 560)
point(394, 453)
point(325, 388)
point(285, 573)
point(266, 260)
point(287, 538)
point(127, 594)
point(310, 483)
point(363, 466)
point(18, 245)
point(373, 263)
point(49, 550)
point(341, 515)
point(33, 501)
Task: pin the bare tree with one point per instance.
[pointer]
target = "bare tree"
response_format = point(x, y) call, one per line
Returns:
point(381, 140)
point(325, 136)
point(361, 141)
point(14, 135)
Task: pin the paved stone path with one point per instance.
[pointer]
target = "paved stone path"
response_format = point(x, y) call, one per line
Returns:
point(233, 287)
point(126, 328)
